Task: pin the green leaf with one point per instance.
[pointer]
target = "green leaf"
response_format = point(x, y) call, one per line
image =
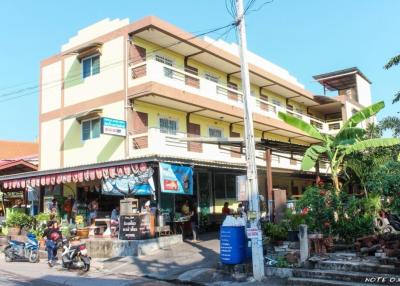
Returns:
point(392, 62)
point(311, 156)
point(349, 134)
point(362, 115)
point(372, 143)
point(300, 124)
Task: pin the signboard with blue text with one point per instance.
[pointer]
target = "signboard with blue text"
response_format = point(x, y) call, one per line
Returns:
point(112, 126)
point(176, 179)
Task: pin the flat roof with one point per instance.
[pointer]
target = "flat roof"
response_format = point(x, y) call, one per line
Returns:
point(340, 79)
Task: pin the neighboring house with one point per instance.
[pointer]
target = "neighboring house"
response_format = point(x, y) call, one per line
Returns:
point(16, 157)
point(167, 86)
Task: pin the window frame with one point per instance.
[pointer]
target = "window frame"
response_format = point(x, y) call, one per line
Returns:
point(211, 77)
point(216, 128)
point(91, 128)
point(164, 60)
point(91, 65)
point(169, 119)
point(225, 175)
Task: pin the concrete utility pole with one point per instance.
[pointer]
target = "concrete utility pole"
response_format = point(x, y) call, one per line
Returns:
point(252, 182)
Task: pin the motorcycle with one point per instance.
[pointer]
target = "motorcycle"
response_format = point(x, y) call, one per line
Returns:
point(75, 256)
point(387, 223)
point(23, 251)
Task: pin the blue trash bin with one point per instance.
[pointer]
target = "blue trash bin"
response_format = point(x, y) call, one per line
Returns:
point(232, 244)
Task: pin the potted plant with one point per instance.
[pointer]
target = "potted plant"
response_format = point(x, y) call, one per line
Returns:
point(293, 221)
point(82, 231)
point(17, 221)
point(276, 232)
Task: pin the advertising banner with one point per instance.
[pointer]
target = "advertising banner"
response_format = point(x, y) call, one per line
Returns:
point(112, 126)
point(138, 183)
point(176, 179)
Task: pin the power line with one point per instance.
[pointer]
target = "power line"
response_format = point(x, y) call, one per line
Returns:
point(17, 94)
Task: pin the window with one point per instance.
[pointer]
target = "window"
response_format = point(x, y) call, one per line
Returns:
point(168, 126)
point(90, 66)
point(214, 132)
point(211, 77)
point(276, 102)
point(91, 129)
point(164, 60)
point(225, 186)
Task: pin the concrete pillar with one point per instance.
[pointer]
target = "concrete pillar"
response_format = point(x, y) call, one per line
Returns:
point(303, 243)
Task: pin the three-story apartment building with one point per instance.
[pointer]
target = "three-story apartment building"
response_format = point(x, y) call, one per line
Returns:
point(158, 86)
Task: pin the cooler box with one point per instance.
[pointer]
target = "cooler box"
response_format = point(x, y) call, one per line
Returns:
point(233, 244)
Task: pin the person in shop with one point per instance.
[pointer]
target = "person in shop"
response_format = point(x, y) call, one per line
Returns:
point(93, 208)
point(226, 210)
point(146, 207)
point(67, 206)
point(194, 223)
point(185, 210)
point(115, 220)
point(18, 204)
point(53, 206)
point(241, 211)
point(52, 235)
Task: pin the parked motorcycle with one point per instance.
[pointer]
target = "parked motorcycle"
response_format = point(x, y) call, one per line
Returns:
point(75, 256)
point(23, 251)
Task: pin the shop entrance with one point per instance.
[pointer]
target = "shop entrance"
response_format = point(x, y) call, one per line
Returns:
point(204, 190)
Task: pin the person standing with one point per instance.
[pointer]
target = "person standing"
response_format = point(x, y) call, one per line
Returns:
point(67, 206)
point(93, 208)
point(194, 223)
point(52, 234)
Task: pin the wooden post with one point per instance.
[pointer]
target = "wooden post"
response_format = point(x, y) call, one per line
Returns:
point(269, 183)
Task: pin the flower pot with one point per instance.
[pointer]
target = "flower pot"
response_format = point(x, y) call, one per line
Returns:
point(293, 235)
point(82, 232)
point(15, 230)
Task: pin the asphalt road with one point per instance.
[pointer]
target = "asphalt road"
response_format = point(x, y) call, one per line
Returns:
point(12, 279)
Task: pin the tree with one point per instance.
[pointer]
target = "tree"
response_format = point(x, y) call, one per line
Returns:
point(392, 122)
point(372, 131)
point(348, 140)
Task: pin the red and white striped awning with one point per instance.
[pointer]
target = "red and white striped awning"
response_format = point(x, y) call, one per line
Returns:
point(74, 176)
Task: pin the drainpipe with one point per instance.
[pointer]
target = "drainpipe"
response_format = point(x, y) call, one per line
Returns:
point(126, 103)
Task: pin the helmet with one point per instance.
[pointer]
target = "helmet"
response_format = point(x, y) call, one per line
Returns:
point(54, 236)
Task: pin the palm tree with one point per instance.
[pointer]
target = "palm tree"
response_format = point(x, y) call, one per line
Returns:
point(392, 122)
point(373, 131)
point(348, 140)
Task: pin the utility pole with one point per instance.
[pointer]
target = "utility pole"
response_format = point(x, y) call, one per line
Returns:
point(252, 182)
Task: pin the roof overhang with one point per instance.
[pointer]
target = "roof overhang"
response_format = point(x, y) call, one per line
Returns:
point(170, 37)
point(341, 79)
point(81, 116)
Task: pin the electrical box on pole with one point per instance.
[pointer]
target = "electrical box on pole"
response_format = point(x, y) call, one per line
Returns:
point(256, 240)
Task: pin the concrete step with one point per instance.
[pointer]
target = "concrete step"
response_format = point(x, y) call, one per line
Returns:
point(346, 276)
point(357, 267)
point(295, 281)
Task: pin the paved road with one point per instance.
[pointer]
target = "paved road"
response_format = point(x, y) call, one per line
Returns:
point(11, 279)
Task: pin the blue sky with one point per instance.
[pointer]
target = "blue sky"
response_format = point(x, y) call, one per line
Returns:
point(306, 37)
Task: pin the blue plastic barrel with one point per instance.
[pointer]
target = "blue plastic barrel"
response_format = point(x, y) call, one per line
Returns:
point(232, 244)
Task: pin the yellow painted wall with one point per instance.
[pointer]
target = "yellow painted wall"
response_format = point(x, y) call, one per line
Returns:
point(102, 149)
point(109, 80)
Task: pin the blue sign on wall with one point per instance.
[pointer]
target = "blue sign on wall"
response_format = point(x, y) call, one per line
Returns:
point(176, 179)
point(113, 126)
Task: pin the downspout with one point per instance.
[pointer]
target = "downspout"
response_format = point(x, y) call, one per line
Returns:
point(127, 40)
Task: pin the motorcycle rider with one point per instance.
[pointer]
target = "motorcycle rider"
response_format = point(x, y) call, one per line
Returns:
point(52, 235)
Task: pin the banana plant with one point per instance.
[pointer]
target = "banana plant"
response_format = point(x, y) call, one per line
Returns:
point(349, 139)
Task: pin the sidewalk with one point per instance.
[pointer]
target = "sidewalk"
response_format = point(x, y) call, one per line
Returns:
point(170, 263)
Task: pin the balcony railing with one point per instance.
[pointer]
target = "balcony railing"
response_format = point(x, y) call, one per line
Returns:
point(185, 80)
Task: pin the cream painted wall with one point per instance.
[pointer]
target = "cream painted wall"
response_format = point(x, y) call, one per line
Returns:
point(109, 80)
point(50, 145)
point(51, 87)
point(102, 149)
point(364, 91)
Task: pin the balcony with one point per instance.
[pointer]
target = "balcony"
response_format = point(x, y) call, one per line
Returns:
point(155, 142)
point(186, 80)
